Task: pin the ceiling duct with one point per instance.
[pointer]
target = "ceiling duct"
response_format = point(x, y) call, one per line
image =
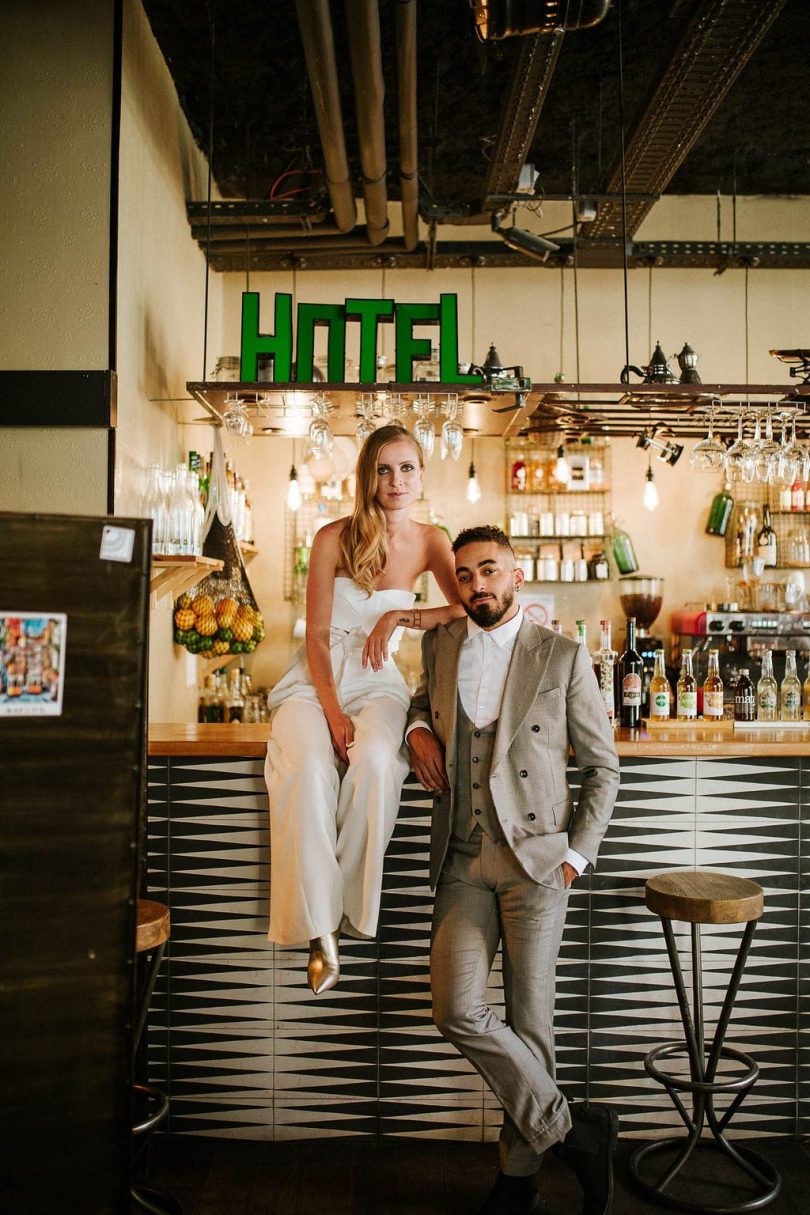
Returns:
point(496, 19)
point(408, 146)
point(365, 52)
point(315, 24)
point(716, 45)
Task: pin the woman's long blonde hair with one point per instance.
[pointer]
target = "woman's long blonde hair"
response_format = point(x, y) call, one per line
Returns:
point(364, 540)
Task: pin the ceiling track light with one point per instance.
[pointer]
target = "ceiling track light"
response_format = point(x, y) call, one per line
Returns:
point(667, 451)
point(522, 241)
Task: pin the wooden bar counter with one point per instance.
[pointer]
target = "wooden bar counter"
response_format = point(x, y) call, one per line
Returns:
point(673, 738)
point(246, 1051)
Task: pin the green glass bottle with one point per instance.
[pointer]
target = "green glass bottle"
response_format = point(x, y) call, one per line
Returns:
point(623, 552)
point(720, 512)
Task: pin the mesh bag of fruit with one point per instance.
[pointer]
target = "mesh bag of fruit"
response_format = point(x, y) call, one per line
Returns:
point(219, 615)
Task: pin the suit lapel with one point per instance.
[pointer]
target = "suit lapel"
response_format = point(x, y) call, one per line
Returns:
point(447, 657)
point(527, 669)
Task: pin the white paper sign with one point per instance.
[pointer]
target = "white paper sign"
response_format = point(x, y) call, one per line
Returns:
point(32, 663)
point(117, 543)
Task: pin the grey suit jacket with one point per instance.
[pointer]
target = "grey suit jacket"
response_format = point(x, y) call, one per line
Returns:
point(551, 703)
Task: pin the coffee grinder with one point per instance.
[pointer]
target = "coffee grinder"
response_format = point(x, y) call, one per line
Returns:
point(641, 597)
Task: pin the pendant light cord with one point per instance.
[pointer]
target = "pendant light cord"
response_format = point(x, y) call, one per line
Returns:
point(624, 188)
point(212, 26)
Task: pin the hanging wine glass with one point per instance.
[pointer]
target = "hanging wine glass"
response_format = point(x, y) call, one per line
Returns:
point(320, 437)
point(424, 431)
point(767, 451)
point(797, 454)
point(452, 433)
point(740, 457)
point(709, 455)
point(235, 419)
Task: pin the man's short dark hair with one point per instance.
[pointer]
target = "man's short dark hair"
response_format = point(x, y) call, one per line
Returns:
point(485, 533)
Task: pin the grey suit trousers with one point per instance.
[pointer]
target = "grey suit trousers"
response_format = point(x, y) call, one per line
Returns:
point(484, 897)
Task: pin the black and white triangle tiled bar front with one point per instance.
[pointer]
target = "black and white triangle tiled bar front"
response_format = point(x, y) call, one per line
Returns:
point(245, 1051)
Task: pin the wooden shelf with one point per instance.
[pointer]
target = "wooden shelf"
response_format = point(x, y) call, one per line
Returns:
point(173, 575)
point(248, 550)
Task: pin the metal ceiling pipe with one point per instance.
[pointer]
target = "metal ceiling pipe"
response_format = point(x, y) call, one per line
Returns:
point(315, 24)
point(408, 152)
point(365, 51)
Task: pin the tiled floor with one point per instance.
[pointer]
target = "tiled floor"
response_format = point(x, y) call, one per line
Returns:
point(402, 1177)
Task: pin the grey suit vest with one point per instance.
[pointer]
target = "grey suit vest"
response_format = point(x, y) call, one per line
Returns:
point(473, 805)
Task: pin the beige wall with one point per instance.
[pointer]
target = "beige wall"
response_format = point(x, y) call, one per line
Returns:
point(55, 147)
point(161, 314)
point(56, 83)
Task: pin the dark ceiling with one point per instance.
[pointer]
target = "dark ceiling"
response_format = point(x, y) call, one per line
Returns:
point(756, 141)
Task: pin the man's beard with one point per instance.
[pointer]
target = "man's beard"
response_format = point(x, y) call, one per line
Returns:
point(488, 611)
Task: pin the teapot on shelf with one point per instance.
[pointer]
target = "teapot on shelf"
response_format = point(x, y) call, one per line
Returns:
point(657, 371)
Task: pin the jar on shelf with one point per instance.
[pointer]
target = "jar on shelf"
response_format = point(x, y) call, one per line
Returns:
point(524, 560)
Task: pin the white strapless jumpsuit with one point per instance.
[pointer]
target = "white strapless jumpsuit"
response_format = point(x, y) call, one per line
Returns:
point(330, 823)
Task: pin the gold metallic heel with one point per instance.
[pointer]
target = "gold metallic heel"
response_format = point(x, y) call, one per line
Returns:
point(323, 968)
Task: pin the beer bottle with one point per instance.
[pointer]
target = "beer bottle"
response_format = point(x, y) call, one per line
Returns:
point(790, 694)
point(745, 701)
point(660, 691)
point(713, 689)
point(686, 692)
point(766, 690)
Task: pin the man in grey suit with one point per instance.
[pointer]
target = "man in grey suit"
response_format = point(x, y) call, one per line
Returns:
point(501, 701)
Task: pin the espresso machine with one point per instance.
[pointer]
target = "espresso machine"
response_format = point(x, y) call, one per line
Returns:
point(740, 637)
point(641, 596)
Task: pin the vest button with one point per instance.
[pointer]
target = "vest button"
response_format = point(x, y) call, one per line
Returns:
point(535, 729)
point(476, 785)
point(475, 759)
point(523, 773)
point(476, 811)
point(436, 713)
point(532, 817)
point(477, 733)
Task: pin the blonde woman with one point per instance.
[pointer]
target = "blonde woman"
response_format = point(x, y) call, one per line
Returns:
point(335, 762)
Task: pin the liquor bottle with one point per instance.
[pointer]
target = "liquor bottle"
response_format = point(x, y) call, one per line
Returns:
point(605, 668)
point(235, 703)
point(806, 696)
point(660, 691)
point(686, 692)
point(631, 676)
point(211, 704)
point(745, 701)
point(766, 690)
point(797, 496)
point(556, 627)
point(790, 693)
point(766, 540)
point(720, 512)
point(582, 632)
point(713, 689)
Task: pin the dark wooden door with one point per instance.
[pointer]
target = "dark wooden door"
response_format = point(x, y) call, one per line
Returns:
point(70, 816)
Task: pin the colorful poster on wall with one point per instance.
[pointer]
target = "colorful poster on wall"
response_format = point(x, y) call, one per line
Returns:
point(32, 663)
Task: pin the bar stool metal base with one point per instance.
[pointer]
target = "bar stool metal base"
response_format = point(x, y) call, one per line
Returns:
point(703, 1083)
point(756, 1166)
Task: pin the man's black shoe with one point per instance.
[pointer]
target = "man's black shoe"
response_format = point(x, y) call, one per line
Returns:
point(588, 1149)
point(512, 1196)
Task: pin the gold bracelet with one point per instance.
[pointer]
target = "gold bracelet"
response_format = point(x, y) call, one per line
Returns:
point(417, 618)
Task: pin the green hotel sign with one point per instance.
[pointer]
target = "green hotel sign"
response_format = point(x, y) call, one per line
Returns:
point(277, 347)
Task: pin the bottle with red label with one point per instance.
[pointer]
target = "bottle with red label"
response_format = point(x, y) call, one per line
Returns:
point(519, 477)
point(631, 678)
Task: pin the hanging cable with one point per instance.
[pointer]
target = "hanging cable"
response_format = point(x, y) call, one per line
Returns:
point(575, 247)
point(624, 188)
point(211, 78)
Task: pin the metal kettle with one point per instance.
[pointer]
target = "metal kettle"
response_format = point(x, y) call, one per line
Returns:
point(657, 371)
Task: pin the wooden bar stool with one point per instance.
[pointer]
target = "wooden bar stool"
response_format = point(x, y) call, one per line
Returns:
point(152, 933)
point(704, 898)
